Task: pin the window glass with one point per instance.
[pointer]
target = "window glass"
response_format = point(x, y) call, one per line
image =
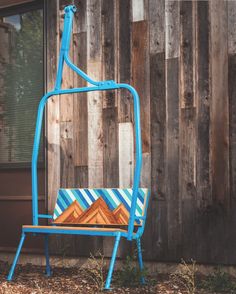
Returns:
point(21, 84)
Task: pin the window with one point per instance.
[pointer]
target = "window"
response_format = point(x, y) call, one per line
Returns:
point(21, 82)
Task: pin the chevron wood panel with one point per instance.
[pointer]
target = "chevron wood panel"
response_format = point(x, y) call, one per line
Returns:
point(97, 206)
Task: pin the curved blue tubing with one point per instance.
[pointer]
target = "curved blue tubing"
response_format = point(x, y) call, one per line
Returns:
point(96, 86)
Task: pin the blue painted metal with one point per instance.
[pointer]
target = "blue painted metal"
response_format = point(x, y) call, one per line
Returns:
point(112, 262)
point(10, 275)
point(141, 229)
point(83, 231)
point(95, 86)
point(46, 249)
point(48, 216)
point(140, 259)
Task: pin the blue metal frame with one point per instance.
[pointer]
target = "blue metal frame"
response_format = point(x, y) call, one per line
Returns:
point(97, 86)
point(130, 234)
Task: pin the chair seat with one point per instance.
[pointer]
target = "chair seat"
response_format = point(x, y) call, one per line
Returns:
point(96, 231)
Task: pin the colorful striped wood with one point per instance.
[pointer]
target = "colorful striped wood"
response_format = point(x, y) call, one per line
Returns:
point(97, 206)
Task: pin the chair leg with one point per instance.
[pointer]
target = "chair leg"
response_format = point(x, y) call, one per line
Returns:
point(112, 263)
point(48, 269)
point(140, 259)
point(11, 273)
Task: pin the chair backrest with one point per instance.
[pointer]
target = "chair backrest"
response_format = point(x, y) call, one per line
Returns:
point(98, 206)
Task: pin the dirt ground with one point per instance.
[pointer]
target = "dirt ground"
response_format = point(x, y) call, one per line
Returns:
point(32, 280)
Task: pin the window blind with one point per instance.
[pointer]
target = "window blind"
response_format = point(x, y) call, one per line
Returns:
point(21, 84)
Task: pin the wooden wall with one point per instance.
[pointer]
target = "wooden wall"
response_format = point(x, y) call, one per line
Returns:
point(181, 57)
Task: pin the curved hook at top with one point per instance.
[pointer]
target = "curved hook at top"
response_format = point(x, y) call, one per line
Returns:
point(70, 8)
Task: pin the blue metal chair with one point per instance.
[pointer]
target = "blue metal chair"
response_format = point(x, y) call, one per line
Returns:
point(94, 212)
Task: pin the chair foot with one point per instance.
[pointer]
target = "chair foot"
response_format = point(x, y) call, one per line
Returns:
point(140, 260)
point(11, 272)
point(48, 268)
point(112, 263)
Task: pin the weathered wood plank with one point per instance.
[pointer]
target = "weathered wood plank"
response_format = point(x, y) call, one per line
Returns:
point(53, 106)
point(203, 105)
point(140, 76)
point(157, 26)
point(172, 15)
point(158, 133)
point(232, 119)
point(203, 185)
point(231, 27)
point(95, 132)
point(67, 163)
point(232, 93)
point(95, 129)
point(80, 18)
point(219, 108)
point(94, 29)
point(187, 170)
point(124, 60)
point(80, 115)
point(81, 177)
point(110, 138)
point(138, 10)
point(186, 54)
point(66, 119)
point(126, 155)
point(108, 49)
point(172, 133)
point(172, 159)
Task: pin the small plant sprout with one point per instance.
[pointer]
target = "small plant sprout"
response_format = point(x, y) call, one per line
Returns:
point(185, 276)
point(95, 270)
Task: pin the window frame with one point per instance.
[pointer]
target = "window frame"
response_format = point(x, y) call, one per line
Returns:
point(23, 8)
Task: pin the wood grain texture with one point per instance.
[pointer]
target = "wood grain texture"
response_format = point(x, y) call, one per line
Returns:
point(181, 58)
point(173, 197)
point(138, 10)
point(231, 27)
point(125, 103)
point(110, 151)
point(53, 106)
point(172, 16)
point(140, 76)
point(108, 50)
point(95, 131)
point(80, 110)
point(219, 108)
point(187, 168)
point(203, 105)
point(126, 155)
point(157, 216)
point(157, 26)
point(66, 119)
